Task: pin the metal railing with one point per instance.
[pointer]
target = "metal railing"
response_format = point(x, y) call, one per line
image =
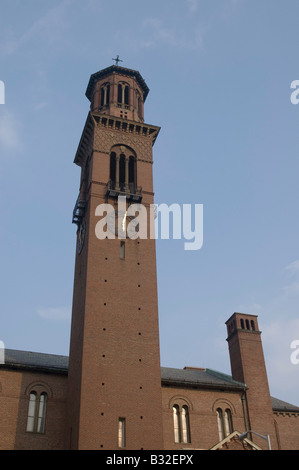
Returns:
point(131, 191)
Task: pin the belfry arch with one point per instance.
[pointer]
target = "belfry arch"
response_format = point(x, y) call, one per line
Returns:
point(123, 168)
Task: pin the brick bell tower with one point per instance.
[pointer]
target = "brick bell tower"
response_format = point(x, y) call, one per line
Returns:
point(248, 366)
point(114, 388)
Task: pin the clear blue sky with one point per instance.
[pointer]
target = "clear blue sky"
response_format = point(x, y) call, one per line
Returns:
point(219, 74)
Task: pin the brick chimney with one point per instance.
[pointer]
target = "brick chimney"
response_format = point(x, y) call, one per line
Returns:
point(248, 366)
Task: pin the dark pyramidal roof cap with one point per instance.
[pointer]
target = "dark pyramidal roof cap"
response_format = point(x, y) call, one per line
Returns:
point(188, 377)
point(116, 69)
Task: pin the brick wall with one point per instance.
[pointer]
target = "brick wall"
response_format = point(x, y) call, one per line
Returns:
point(287, 430)
point(202, 406)
point(15, 387)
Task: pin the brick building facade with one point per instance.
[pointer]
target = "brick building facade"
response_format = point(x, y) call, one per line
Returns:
point(111, 393)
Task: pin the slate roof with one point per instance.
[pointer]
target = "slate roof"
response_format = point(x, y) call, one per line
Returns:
point(36, 361)
point(199, 377)
point(282, 406)
point(188, 377)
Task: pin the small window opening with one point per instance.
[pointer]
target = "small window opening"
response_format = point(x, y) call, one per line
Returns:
point(122, 250)
point(122, 433)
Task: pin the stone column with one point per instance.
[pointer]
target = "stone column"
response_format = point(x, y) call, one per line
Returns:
point(117, 158)
point(127, 174)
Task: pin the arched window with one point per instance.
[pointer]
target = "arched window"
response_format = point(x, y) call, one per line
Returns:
point(185, 424)
point(228, 425)
point(181, 424)
point(105, 94)
point(123, 94)
point(220, 423)
point(224, 422)
point(36, 412)
point(176, 423)
point(123, 170)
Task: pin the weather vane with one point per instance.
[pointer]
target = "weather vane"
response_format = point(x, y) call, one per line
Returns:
point(117, 60)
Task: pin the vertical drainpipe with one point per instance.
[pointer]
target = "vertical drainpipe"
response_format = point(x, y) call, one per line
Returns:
point(245, 411)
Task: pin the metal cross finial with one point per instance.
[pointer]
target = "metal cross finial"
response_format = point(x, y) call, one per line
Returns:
point(117, 60)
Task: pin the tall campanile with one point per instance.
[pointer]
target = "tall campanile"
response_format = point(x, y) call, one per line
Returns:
point(114, 393)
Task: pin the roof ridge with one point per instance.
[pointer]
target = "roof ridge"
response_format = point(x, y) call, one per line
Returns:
point(35, 352)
